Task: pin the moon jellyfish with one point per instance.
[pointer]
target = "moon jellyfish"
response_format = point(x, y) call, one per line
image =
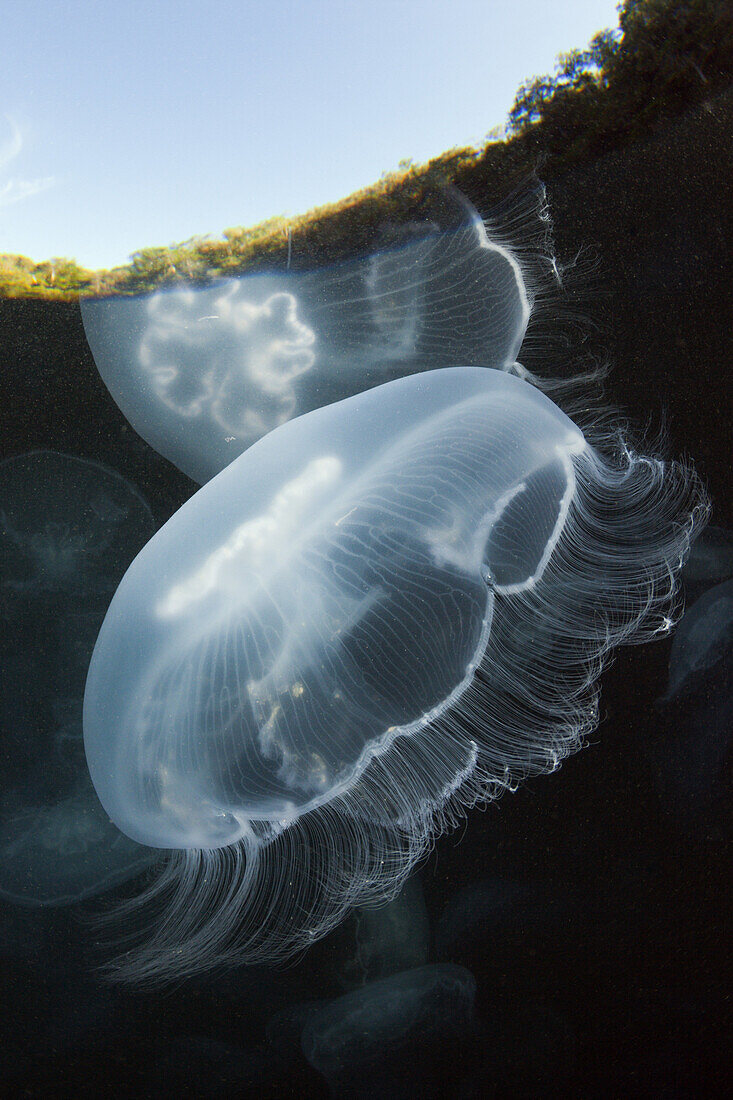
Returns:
point(367, 1028)
point(202, 372)
point(68, 530)
point(710, 561)
point(383, 612)
point(703, 641)
point(387, 938)
point(690, 753)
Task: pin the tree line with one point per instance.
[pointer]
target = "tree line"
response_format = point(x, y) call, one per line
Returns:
point(664, 57)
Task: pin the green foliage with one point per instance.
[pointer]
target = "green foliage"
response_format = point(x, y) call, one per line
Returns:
point(56, 278)
point(664, 56)
point(580, 76)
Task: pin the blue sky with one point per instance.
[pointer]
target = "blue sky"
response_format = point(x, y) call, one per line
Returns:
point(140, 122)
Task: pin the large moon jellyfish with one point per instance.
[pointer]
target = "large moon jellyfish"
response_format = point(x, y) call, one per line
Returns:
point(68, 530)
point(383, 612)
point(202, 372)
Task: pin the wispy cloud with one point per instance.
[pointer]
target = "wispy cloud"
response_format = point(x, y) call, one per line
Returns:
point(14, 188)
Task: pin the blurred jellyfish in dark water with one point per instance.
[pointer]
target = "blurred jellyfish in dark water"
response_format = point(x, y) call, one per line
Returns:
point(386, 938)
point(690, 752)
point(202, 372)
point(383, 612)
point(366, 1033)
point(68, 530)
point(710, 561)
point(703, 641)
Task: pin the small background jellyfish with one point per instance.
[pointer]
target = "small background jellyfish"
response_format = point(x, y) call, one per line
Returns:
point(202, 372)
point(384, 939)
point(68, 530)
point(385, 611)
point(710, 561)
point(375, 1033)
point(690, 749)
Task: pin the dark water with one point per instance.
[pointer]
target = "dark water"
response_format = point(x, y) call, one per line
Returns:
point(593, 907)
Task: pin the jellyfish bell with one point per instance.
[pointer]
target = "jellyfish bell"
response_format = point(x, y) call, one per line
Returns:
point(691, 746)
point(60, 849)
point(303, 573)
point(384, 611)
point(702, 642)
point(67, 523)
point(710, 562)
point(203, 371)
point(68, 530)
point(405, 1014)
point(381, 940)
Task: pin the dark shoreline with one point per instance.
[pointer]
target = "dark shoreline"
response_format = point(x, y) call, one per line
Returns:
point(659, 217)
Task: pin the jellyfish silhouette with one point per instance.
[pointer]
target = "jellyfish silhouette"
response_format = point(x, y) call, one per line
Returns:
point(383, 612)
point(385, 939)
point(202, 372)
point(69, 529)
point(377, 1032)
point(690, 749)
